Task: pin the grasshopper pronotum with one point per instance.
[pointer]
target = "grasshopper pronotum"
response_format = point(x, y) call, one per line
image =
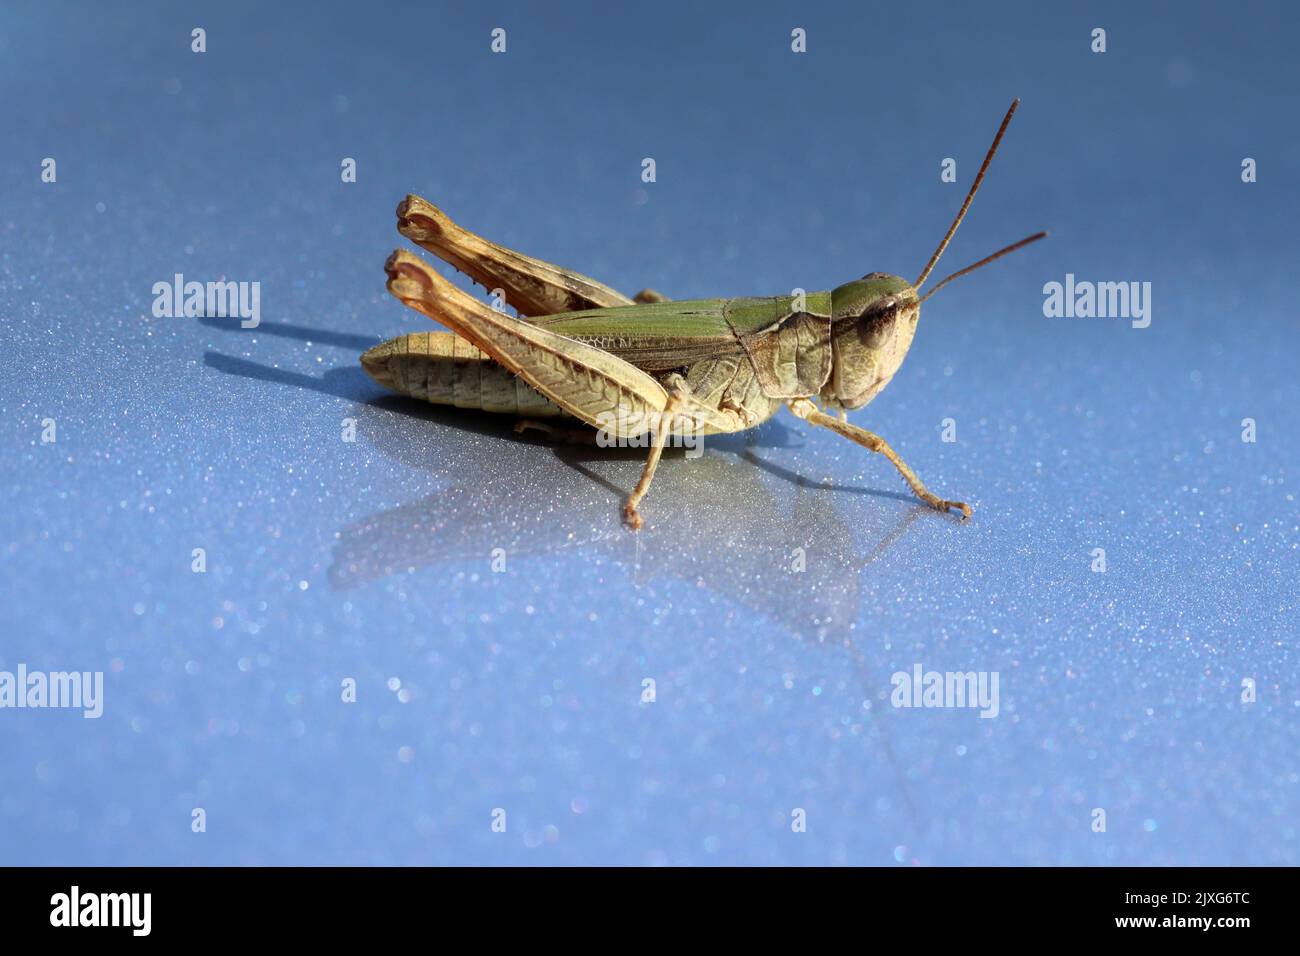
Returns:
point(649, 365)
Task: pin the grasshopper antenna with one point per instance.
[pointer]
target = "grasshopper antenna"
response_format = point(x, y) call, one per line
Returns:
point(985, 261)
point(974, 188)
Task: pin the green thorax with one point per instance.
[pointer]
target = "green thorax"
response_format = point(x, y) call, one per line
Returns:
point(666, 335)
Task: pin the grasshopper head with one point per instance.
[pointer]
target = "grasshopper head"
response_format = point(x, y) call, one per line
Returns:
point(873, 321)
point(874, 318)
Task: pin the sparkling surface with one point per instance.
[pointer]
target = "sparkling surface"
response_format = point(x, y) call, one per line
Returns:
point(522, 689)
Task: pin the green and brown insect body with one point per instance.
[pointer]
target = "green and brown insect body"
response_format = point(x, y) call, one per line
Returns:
point(647, 366)
point(747, 355)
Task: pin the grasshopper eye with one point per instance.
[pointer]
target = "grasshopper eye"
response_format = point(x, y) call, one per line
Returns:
point(886, 307)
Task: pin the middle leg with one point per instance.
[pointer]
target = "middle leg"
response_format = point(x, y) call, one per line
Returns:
point(676, 398)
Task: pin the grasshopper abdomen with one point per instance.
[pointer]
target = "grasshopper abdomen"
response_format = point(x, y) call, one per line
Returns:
point(442, 368)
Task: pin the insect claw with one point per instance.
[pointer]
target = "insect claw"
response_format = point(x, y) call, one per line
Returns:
point(632, 517)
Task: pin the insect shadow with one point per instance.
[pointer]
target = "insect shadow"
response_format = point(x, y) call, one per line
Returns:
point(286, 330)
point(730, 533)
point(725, 508)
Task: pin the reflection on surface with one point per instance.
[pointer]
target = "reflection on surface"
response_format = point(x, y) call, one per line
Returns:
point(738, 541)
point(722, 524)
point(732, 521)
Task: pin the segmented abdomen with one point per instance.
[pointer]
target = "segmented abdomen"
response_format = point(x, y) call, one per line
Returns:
point(443, 368)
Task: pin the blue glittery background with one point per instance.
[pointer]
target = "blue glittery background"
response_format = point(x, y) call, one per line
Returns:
point(522, 689)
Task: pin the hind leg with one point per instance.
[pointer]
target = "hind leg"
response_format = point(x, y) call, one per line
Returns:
point(531, 286)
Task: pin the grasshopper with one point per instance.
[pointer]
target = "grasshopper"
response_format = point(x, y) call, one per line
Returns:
point(649, 366)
